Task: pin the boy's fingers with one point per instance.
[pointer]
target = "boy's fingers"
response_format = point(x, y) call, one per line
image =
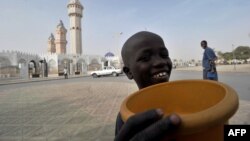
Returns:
point(159, 130)
point(137, 123)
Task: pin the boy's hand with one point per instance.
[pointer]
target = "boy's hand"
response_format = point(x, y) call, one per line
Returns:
point(148, 126)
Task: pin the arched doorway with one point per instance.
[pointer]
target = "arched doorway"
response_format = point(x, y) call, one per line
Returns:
point(5, 67)
point(33, 69)
point(23, 69)
point(94, 65)
point(64, 63)
point(52, 68)
point(81, 67)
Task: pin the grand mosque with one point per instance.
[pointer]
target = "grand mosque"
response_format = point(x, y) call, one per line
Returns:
point(24, 65)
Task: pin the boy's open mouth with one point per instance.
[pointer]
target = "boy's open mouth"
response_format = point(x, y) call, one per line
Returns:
point(160, 75)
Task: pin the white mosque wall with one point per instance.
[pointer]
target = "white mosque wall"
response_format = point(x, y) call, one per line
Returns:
point(24, 65)
point(16, 63)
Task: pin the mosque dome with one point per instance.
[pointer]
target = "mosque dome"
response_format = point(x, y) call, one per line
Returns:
point(109, 54)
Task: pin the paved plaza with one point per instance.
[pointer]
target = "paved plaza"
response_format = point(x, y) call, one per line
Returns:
point(74, 111)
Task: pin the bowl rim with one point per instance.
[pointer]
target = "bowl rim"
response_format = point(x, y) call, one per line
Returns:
point(205, 119)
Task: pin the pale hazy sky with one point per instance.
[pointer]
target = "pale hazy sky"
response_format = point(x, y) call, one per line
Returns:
point(25, 25)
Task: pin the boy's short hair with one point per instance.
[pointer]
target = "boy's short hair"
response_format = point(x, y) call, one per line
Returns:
point(126, 49)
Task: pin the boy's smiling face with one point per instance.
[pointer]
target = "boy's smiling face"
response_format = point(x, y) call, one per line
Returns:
point(147, 60)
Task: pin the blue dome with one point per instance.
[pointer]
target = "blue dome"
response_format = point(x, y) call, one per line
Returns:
point(109, 54)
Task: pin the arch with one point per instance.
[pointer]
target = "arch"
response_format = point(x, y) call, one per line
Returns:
point(32, 68)
point(94, 65)
point(23, 69)
point(4, 62)
point(64, 63)
point(94, 61)
point(81, 66)
point(52, 68)
point(5, 67)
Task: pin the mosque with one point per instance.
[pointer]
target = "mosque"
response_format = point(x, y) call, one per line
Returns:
point(24, 65)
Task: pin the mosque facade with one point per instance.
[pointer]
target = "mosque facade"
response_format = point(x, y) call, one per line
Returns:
point(24, 65)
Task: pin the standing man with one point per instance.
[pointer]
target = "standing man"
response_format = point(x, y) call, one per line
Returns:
point(208, 62)
point(65, 72)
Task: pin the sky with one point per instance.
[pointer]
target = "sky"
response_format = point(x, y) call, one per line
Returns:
point(25, 25)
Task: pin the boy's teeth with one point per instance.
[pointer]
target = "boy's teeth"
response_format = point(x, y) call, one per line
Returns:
point(160, 74)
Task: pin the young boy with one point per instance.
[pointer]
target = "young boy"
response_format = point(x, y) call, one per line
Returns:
point(146, 60)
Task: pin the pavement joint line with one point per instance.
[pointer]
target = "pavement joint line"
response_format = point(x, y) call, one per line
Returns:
point(39, 80)
point(107, 117)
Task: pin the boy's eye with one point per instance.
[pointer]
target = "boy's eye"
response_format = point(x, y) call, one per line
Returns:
point(164, 54)
point(144, 58)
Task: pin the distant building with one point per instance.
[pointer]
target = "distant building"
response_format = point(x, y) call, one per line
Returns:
point(60, 40)
point(51, 44)
point(58, 57)
point(75, 9)
point(112, 60)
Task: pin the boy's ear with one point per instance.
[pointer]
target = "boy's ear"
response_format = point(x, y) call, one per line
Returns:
point(127, 72)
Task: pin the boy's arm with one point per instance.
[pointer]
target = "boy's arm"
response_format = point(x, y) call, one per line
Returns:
point(119, 124)
point(148, 126)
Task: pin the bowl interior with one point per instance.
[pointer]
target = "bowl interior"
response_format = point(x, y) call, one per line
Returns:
point(181, 97)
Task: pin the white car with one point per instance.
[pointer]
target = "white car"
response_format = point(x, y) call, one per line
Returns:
point(107, 70)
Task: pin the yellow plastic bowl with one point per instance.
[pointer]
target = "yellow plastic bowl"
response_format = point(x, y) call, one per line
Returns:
point(203, 105)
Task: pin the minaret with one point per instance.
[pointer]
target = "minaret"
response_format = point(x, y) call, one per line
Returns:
point(61, 38)
point(51, 44)
point(75, 9)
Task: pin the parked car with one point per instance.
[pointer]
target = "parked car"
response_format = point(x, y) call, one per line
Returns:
point(107, 70)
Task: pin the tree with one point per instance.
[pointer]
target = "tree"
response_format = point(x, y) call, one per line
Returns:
point(228, 56)
point(220, 54)
point(242, 52)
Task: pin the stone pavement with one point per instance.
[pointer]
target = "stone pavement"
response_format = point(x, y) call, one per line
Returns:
point(78, 111)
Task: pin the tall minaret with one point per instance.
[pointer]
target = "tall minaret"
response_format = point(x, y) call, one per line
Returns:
point(51, 44)
point(61, 38)
point(75, 9)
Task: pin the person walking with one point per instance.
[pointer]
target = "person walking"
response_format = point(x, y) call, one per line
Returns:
point(208, 62)
point(65, 72)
